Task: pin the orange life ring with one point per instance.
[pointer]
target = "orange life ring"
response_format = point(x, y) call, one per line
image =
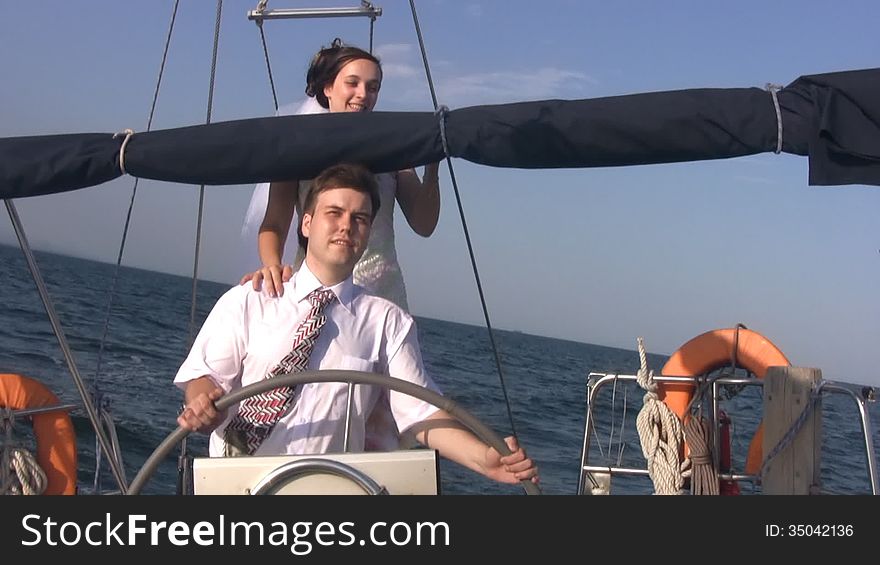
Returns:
point(712, 351)
point(56, 439)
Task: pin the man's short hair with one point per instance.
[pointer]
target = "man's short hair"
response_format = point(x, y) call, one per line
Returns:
point(344, 175)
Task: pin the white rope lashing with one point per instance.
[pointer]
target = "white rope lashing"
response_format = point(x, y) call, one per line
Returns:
point(128, 132)
point(773, 89)
point(661, 435)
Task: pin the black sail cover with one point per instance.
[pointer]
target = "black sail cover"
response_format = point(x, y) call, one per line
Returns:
point(832, 118)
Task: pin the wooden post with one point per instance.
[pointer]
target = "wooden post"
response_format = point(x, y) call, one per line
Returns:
point(796, 469)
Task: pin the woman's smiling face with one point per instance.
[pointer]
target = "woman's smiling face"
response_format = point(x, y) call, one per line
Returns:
point(355, 88)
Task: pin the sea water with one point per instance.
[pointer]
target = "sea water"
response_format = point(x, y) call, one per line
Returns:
point(149, 331)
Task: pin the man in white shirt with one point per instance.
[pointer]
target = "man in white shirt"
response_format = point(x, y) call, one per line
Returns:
point(247, 333)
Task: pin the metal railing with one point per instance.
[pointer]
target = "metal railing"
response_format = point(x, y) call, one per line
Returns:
point(595, 381)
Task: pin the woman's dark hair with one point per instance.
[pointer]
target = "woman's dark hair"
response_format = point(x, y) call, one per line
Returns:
point(327, 63)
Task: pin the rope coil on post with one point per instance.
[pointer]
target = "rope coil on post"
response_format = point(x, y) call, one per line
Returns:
point(661, 435)
point(773, 89)
point(128, 133)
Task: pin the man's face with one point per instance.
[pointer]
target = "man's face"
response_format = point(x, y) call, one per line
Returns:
point(338, 229)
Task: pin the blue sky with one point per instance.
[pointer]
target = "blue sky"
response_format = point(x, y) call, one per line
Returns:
point(594, 255)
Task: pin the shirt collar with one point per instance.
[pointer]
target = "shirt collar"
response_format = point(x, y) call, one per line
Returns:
point(304, 282)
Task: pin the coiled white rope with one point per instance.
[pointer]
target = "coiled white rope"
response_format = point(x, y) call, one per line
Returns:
point(661, 435)
point(704, 478)
point(27, 477)
point(19, 471)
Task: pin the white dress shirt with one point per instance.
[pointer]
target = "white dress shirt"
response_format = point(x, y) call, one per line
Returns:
point(247, 333)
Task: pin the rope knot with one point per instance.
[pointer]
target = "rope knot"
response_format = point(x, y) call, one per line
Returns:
point(661, 435)
point(645, 378)
point(7, 418)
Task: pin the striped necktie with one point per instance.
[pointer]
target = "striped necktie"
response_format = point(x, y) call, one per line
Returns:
point(258, 414)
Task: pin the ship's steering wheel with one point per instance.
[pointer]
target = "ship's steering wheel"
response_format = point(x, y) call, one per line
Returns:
point(332, 376)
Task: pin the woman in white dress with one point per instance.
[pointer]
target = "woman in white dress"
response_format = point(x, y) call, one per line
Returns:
point(343, 78)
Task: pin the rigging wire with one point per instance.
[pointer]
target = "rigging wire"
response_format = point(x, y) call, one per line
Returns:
point(372, 24)
point(62, 340)
point(99, 400)
point(195, 277)
point(261, 7)
point(268, 65)
point(467, 236)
